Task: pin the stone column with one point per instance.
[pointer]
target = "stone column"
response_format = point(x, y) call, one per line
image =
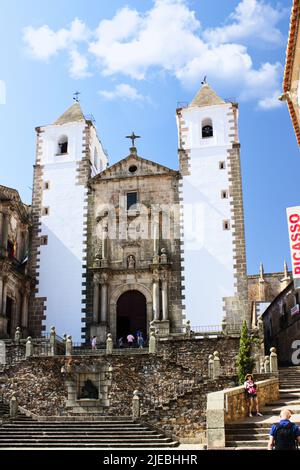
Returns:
point(164, 297)
point(5, 232)
point(1, 230)
point(104, 300)
point(4, 297)
point(155, 289)
point(1, 293)
point(24, 320)
point(96, 299)
point(104, 246)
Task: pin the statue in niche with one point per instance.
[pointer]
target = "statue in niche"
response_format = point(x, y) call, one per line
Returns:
point(131, 262)
point(89, 390)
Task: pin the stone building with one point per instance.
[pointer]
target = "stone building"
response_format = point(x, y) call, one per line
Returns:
point(113, 247)
point(134, 249)
point(15, 282)
point(291, 80)
point(214, 256)
point(282, 325)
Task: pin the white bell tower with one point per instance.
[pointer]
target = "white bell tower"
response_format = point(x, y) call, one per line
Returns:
point(213, 242)
point(68, 154)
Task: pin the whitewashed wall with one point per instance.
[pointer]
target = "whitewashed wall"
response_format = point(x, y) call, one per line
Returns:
point(61, 260)
point(208, 249)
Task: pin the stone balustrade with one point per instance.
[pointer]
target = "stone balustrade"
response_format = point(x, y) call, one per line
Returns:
point(230, 405)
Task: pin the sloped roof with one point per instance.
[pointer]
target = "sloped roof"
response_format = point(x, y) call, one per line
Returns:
point(72, 114)
point(120, 169)
point(206, 96)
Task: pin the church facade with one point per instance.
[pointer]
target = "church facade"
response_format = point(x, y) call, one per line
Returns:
point(114, 248)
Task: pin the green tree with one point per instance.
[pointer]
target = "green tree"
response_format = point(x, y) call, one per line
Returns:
point(245, 363)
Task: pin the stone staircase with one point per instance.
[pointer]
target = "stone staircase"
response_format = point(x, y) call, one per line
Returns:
point(24, 433)
point(253, 433)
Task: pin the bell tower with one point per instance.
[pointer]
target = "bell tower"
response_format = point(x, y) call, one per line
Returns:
point(213, 242)
point(68, 153)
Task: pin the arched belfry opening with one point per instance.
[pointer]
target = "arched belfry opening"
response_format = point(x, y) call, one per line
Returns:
point(62, 145)
point(131, 314)
point(207, 128)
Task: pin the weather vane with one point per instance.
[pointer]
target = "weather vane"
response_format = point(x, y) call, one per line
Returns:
point(204, 80)
point(133, 137)
point(76, 96)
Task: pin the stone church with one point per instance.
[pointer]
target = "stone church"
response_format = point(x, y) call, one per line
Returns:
point(109, 249)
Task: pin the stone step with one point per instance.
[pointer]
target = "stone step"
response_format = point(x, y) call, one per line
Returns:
point(115, 440)
point(78, 433)
point(246, 430)
point(69, 445)
point(247, 444)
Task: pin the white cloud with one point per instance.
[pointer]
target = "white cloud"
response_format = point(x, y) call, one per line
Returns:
point(43, 43)
point(2, 92)
point(79, 65)
point(251, 20)
point(271, 101)
point(123, 91)
point(169, 38)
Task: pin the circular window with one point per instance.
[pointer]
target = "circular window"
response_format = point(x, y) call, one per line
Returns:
point(132, 168)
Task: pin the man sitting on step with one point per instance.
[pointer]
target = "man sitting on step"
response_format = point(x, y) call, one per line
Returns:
point(284, 435)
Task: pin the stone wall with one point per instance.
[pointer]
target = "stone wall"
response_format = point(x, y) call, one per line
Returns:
point(185, 417)
point(194, 352)
point(267, 391)
point(230, 405)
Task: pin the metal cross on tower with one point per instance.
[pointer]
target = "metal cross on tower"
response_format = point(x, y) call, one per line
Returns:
point(133, 137)
point(76, 96)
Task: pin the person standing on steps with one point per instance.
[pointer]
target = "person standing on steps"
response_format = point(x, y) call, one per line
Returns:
point(284, 435)
point(251, 393)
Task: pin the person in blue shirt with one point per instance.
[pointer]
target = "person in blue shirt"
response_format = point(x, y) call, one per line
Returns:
point(284, 435)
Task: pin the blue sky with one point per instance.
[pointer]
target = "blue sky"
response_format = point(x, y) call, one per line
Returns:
point(133, 62)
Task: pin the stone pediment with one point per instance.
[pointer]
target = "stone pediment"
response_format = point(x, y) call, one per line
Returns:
point(133, 166)
point(11, 196)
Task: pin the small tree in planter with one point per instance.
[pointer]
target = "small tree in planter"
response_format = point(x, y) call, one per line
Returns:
point(245, 363)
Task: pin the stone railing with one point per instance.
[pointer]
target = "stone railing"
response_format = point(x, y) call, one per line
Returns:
point(230, 405)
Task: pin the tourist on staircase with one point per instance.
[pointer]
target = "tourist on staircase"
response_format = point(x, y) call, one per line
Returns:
point(284, 435)
point(251, 393)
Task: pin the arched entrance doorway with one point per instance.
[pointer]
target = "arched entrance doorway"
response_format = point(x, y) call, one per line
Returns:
point(131, 314)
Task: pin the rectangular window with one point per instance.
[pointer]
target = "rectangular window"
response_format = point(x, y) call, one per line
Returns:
point(131, 201)
point(46, 185)
point(45, 211)
point(224, 194)
point(222, 165)
point(226, 224)
point(44, 240)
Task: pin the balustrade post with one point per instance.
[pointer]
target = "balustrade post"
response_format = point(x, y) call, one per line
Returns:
point(273, 361)
point(210, 366)
point(29, 347)
point(52, 341)
point(69, 346)
point(217, 366)
point(267, 364)
point(109, 344)
point(152, 343)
